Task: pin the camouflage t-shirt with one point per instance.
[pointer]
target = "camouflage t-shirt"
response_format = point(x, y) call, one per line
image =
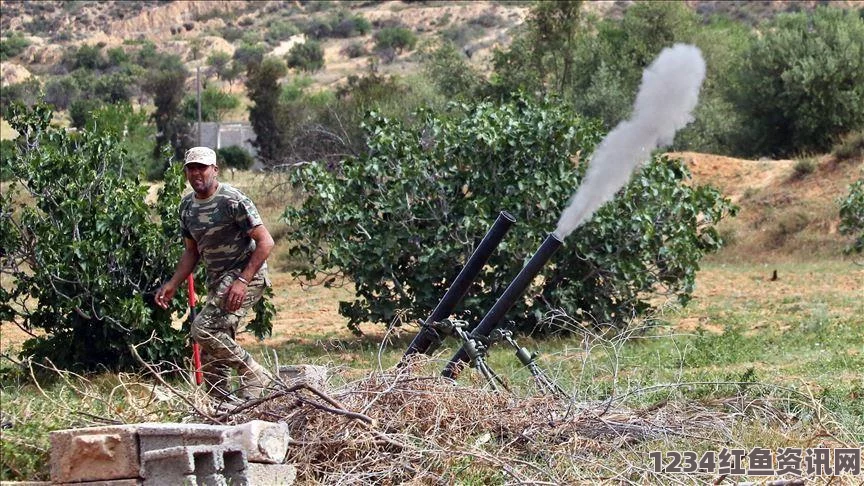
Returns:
point(220, 226)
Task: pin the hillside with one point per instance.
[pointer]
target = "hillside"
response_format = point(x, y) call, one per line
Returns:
point(195, 29)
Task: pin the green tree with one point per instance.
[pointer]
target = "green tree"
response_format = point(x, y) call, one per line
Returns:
point(852, 215)
point(399, 219)
point(448, 69)
point(248, 54)
point(308, 56)
point(61, 92)
point(801, 84)
point(82, 257)
point(214, 104)
point(167, 86)
point(262, 85)
point(220, 62)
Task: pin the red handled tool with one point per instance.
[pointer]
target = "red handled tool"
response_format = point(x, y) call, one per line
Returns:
point(196, 350)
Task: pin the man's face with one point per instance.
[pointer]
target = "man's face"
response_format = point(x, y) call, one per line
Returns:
point(201, 177)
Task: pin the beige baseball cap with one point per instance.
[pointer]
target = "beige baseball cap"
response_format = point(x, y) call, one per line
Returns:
point(200, 155)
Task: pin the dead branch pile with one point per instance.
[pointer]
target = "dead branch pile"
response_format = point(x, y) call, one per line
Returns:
point(410, 428)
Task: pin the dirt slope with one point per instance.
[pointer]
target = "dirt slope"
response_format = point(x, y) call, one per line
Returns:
point(785, 212)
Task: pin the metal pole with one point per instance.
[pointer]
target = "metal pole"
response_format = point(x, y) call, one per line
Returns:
point(427, 339)
point(198, 85)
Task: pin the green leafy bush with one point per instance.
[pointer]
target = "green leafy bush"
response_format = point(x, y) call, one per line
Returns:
point(214, 105)
point(308, 56)
point(801, 84)
point(80, 259)
point(852, 216)
point(396, 38)
point(400, 220)
point(235, 157)
point(13, 45)
point(26, 92)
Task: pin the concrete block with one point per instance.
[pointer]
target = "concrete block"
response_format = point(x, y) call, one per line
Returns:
point(265, 442)
point(270, 474)
point(202, 464)
point(309, 374)
point(94, 454)
point(155, 436)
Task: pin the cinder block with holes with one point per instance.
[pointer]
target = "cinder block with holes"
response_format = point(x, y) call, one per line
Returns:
point(198, 464)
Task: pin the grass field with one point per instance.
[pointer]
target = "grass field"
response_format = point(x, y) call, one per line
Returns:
point(770, 353)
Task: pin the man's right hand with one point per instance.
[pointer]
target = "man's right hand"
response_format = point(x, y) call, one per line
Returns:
point(165, 294)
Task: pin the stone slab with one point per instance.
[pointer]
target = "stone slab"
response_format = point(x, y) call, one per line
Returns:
point(94, 454)
point(264, 442)
point(155, 436)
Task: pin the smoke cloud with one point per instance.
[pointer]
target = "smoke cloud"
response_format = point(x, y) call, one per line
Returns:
point(668, 93)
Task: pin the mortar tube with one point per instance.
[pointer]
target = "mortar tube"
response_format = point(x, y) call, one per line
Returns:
point(427, 340)
point(515, 290)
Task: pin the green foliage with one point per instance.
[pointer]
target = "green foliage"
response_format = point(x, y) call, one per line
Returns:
point(214, 104)
point(61, 92)
point(400, 220)
point(801, 85)
point(354, 50)
point(397, 38)
point(131, 128)
point(308, 56)
point(262, 85)
point(262, 324)
point(804, 167)
point(248, 54)
point(13, 45)
point(85, 57)
point(27, 92)
point(78, 273)
point(235, 157)
point(448, 69)
point(850, 146)
point(167, 85)
point(852, 215)
point(279, 30)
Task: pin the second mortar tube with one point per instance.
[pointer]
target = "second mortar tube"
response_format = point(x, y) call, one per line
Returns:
point(515, 290)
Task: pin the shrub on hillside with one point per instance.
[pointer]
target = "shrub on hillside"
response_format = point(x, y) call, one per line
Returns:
point(27, 92)
point(13, 45)
point(354, 50)
point(801, 84)
point(308, 56)
point(852, 216)
point(400, 219)
point(850, 146)
point(396, 38)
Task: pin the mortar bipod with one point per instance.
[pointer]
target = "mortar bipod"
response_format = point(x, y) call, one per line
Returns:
point(475, 346)
point(529, 360)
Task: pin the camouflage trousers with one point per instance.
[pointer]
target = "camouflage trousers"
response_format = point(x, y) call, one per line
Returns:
point(214, 330)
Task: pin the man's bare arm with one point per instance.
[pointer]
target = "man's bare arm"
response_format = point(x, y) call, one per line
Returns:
point(263, 245)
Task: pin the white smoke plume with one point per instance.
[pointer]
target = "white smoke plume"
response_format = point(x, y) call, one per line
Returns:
point(667, 96)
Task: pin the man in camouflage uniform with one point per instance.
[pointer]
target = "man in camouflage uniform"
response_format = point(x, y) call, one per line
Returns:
point(221, 226)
